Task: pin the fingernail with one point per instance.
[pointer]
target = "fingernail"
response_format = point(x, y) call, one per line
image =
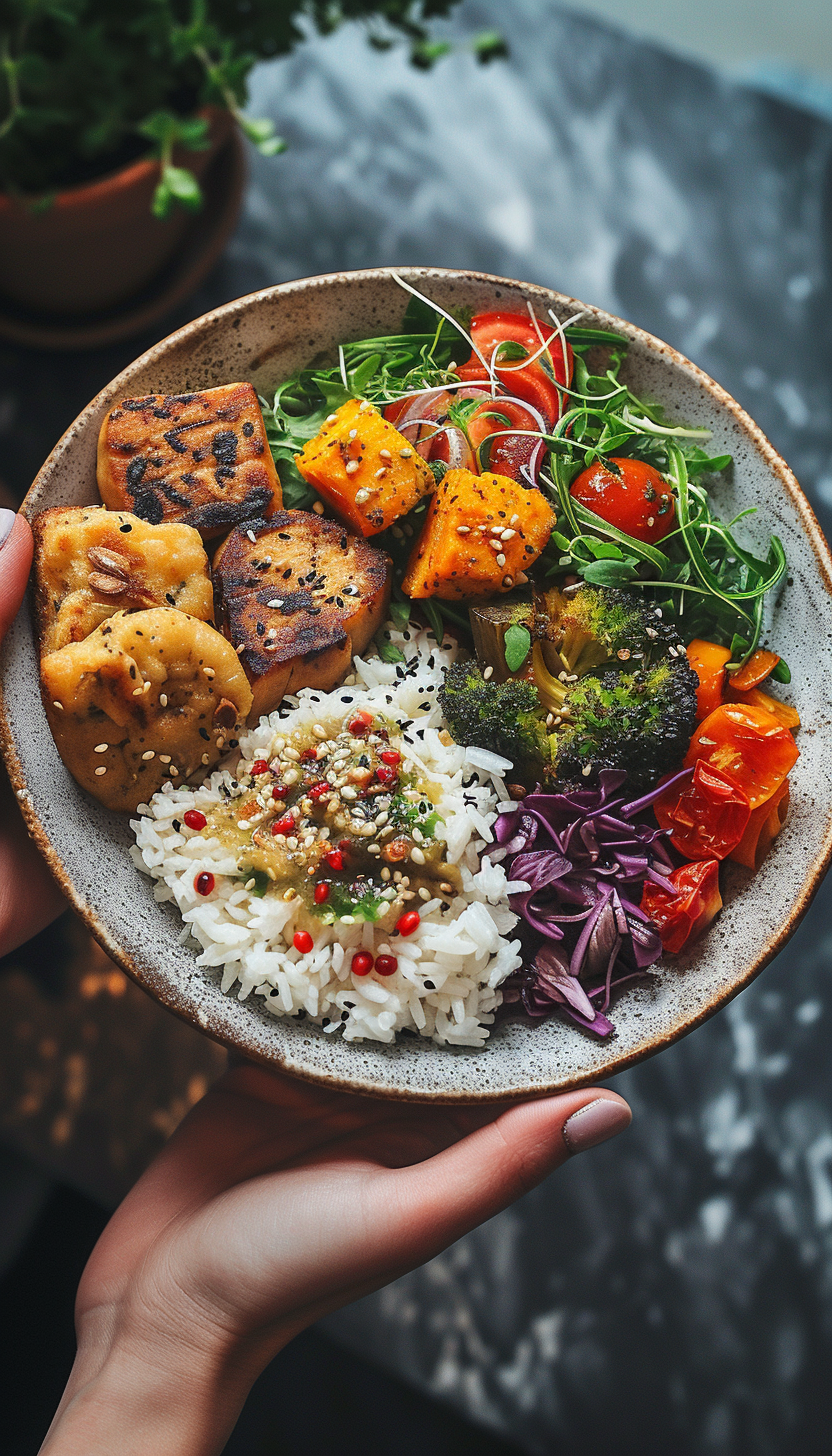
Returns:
point(7, 520)
point(595, 1123)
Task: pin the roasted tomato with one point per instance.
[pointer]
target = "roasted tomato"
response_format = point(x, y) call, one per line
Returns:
point(762, 829)
point(755, 671)
point(424, 420)
point(749, 745)
point(708, 661)
point(707, 815)
point(535, 382)
point(681, 917)
point(636, 500)
point(783, 712)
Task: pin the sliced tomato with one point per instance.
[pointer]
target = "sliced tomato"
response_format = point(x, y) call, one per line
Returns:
point(535, 382)
point(708, 661)
point(636, 500)
point(683, 916)
point(707, 816)
point(783, 712)
point(749, 745)
point(508, 453)
point(755, 671)
point(762, 829)
point(423, 418)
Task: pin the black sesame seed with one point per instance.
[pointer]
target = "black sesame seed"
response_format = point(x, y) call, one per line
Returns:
point(203, 733)
point(176, 825)
point(126, 528)
point(429, 986)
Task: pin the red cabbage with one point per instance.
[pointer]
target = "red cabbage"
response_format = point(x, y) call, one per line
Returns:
point(585, 854)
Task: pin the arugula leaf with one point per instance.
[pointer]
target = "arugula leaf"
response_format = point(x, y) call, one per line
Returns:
point(400, 614)
point(388, 651)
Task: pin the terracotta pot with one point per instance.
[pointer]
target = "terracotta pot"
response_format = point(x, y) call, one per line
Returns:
point(99, 243)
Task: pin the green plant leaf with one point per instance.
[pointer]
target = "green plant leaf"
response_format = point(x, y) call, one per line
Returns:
point(400, 614)
point(387, 650)
point(608, 573)
point(782, 672)
point(516, 645)
point(182, 184)
point(488, 46)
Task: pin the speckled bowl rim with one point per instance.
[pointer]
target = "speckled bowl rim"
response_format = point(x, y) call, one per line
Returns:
point(420, 276)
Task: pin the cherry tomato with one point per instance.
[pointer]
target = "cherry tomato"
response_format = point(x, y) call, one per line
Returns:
point(708, 661)
point(637, 500)
point(749, 745)
point(762, 829)
point(194, 819)
point(259, 767)
point(321, 893)
point(755, 671)
point(707, 815)
point(681, 917)
point(362, 963)
point(302, 941)
point(204, 883)
point(386, 965)
point(407, 923)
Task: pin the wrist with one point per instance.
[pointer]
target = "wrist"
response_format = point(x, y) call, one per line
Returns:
point(126, 1397)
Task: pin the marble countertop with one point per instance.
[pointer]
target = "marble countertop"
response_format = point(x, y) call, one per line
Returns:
point(672, 1291)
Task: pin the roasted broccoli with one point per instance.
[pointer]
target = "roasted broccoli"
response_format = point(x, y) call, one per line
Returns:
point(611, 688)
point(505, 717)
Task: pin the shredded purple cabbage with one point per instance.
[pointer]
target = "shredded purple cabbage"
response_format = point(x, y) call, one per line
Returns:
point(585, 857)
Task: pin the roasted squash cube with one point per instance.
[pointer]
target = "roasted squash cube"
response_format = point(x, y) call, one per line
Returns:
point(481, 533)
point(200, 458)
point(367, 472)
point(91, 563)
point(298, 597)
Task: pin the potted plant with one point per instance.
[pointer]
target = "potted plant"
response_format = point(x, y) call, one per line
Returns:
point(111, 114)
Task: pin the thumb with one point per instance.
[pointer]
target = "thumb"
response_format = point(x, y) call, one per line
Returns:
point(15, 560)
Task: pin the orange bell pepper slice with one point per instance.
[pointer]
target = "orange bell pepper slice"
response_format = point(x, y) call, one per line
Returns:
point(756, 669)
point(762, 829)
point(708, 661)
point(749, 745)
point(783, 712)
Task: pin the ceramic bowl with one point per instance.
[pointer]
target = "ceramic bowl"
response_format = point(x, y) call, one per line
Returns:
point(264, 338)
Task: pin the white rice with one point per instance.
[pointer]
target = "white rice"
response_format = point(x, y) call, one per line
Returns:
point(449, 971)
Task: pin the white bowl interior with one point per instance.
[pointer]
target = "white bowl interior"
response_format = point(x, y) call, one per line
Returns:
point(264, 338)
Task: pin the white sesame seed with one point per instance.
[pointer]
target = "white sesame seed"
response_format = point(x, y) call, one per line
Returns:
point(348, 792)
point(586, 770)
point(291, 776)
point(352, 466)
point(494, 544)
point(423, 893)
point(251, 536)
point(318, 507)
point(352, 434)
point(508, 581)
point(163, 699)
point(151, 753)
point(100, 770)
point(501, 560)
point(148, 685)
point(385, 874)
point(292, 754)
point(489, 672)
point(319, 730)
point(275, 602)
point(137, 692)
point(463, 530)
point(101, 747)
point(406, 453)
point(330, 419)
point(380, 472)
point(206, 758)
point(164, 758)
point(209, 672)
point(249, 884)
point(416, 855)
point(507, 535)
point(384, 455)
point(361, 496)
point(364, 406)
point(58, 705)
point(515, 518)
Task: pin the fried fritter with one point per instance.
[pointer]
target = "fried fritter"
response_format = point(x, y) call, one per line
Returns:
point(148, 698)
point(200, 458)
point(91, 563)
point(301, 596)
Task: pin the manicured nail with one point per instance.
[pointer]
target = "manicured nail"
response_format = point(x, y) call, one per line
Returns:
point(7, 520)
point(594, 1123)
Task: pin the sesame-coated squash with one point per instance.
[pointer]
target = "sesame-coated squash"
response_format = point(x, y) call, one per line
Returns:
point(367, 472)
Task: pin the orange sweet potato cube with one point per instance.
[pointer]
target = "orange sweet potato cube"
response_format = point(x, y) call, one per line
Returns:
point(480, 534)
point(367, 472)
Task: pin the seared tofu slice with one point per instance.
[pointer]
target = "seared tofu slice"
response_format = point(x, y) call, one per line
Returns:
point(298, 596)
point(148, 698)
point(91, 563)
point(202, 459)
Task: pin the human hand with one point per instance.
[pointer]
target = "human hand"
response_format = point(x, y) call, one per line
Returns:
point(273, 1204)
point(29, 897)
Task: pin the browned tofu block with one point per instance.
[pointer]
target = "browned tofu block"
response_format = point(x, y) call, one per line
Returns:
point(202, 459)
point(148, 698)
point(91, 563)
point(300, 596)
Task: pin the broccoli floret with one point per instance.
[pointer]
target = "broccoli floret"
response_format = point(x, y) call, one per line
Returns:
point(612, 689)
point(594, 625)
point(507, 718)
point(640, 721)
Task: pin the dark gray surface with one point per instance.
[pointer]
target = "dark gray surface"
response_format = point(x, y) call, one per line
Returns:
point(674, 1290)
